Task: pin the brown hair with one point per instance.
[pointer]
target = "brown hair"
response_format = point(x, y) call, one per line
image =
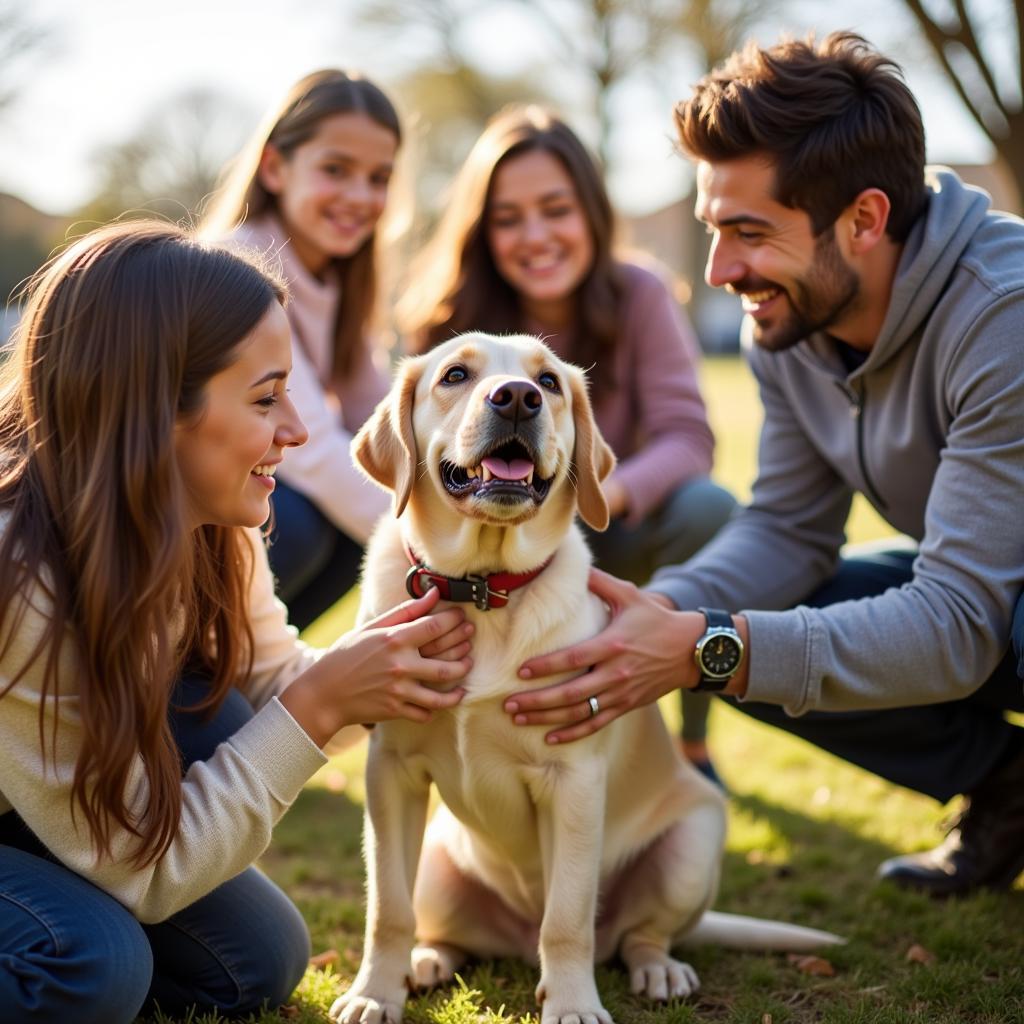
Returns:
point(294, 122)
point(119, 336)
point(835, 119)
point(457, 287)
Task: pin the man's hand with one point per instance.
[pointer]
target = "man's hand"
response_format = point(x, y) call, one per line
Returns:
point(645, 651)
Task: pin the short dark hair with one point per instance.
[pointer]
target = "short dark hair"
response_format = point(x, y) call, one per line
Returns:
point(835, 118)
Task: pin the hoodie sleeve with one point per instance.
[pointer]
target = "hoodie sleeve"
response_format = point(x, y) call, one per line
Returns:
point(939, 637)
point(935, 639)
point(776, 550)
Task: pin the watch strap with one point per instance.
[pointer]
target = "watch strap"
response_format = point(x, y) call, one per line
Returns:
point(715, 618)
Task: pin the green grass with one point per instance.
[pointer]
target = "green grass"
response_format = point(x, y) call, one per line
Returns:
point(806, 832)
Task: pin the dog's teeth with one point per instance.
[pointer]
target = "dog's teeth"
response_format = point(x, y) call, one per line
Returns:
point(528, 479)
point(472, 472)
point(486, 474)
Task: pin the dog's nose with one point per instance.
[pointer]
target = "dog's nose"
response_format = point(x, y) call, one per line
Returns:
point(516, 400)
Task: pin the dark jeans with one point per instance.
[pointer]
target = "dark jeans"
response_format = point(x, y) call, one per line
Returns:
point(937, 749)
point(314, 562)
point(68, 951)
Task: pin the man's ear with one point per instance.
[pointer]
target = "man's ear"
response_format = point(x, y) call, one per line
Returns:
point(270, 169)
point(592, 458)
point(866, 219)
point(385, 447)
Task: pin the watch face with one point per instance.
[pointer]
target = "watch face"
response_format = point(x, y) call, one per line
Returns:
point(720, 655)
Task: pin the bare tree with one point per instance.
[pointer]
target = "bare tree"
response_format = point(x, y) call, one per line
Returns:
point(171, 164)
point(612, 41)
point(448, 91)
point(980, 46)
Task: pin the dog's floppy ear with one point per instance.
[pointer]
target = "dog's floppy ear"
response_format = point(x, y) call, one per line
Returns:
point(385, 447)
point(593, 459)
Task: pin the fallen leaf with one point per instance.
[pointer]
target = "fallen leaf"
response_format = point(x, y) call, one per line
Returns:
point(811, 965)
point(288, 1012)
point(328, 958)
point(919, 955)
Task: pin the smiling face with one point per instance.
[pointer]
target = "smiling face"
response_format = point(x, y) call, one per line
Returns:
point(487, 434)
point(495, 423)
point(227, 454)
point(331, 190)
point(538, 234)
point(791, 283)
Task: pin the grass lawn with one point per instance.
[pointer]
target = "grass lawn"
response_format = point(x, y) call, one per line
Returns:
point(806, 832)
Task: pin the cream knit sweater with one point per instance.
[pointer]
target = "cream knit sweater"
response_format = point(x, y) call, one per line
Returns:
point(230, 802)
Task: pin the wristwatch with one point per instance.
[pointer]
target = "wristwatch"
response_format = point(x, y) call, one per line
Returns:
point(719, 652)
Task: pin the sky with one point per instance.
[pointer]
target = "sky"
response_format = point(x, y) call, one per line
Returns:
point(111, 62)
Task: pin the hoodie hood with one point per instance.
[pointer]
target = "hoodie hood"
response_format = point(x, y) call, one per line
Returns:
point(931, 252)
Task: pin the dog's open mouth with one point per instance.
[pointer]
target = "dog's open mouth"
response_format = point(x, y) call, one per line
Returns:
point(507, 473)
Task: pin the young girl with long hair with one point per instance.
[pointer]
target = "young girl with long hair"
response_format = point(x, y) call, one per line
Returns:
point(526, 243)
point(157, 713)
point(310, 189)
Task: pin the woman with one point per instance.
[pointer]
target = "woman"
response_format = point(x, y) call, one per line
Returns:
point(312, 185)
point(526, 244)
point(157, 714)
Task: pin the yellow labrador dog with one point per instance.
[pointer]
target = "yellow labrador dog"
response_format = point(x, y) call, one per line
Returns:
point(572, 853)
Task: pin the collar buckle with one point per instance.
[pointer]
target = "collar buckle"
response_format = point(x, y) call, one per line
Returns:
point(471, 588)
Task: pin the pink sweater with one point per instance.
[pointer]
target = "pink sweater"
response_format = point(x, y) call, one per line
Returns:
point(333, 410)
point(655, 419)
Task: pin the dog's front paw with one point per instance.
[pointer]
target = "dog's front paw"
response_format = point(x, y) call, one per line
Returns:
point(571, 1003)
point(658, 976)
point(356, 1008)
point(435, 965)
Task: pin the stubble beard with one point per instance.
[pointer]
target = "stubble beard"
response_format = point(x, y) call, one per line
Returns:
point(829, 290)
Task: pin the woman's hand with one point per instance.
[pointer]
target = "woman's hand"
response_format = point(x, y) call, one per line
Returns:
point(403, 664)
point(645, 651)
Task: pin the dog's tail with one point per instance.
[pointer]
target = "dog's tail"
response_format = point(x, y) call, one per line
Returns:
point(735, 931)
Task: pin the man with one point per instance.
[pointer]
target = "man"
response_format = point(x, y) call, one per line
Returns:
point(886, 313)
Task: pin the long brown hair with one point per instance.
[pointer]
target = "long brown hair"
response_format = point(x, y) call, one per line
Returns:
point(835, 118)
point(455, 284)
point(242, 194)
point(119, 336)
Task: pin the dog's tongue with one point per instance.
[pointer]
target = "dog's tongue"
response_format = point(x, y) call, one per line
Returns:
point(514, 470)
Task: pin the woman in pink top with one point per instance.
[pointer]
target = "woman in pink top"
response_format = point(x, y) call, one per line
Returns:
point(526, 244)
point(311, 186)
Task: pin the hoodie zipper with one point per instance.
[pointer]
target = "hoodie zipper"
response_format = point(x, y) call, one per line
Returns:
point(857, 396)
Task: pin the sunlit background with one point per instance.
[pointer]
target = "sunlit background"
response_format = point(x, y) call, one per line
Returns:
point(110, 105)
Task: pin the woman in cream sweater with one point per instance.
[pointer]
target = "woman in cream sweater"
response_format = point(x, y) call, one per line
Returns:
point(157, 714)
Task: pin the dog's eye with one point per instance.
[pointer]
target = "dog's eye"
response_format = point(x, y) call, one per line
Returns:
point(549, 381)
point(454, 375)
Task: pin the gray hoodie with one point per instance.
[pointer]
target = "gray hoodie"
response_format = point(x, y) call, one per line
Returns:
point(930, 428)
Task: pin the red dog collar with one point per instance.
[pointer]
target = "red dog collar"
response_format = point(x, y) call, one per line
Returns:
point(485, 592)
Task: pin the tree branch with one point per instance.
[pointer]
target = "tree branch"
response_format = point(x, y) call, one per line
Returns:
point(937, 39)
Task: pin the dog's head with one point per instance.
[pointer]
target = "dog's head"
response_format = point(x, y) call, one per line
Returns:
point(498, 429)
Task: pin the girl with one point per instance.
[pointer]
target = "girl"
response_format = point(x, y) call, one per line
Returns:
point(157, 715)
point(525, 244)
point(312, 185)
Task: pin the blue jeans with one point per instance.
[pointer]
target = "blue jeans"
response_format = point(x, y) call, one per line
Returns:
point(675, 531)
point(68, 951)
point(314, 562)
point(937, 749)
